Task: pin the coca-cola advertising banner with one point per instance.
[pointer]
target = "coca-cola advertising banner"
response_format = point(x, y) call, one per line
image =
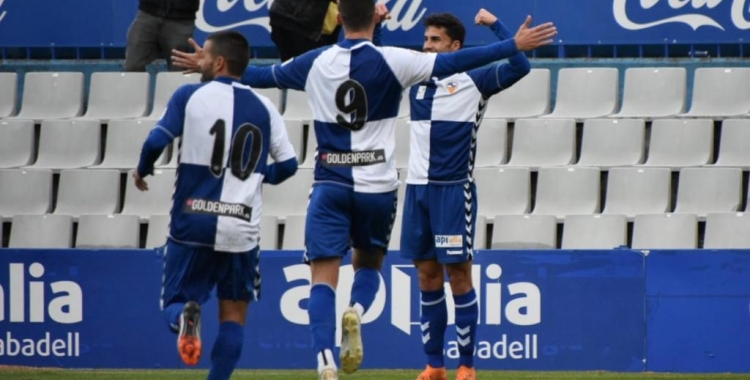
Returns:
point(104, 23)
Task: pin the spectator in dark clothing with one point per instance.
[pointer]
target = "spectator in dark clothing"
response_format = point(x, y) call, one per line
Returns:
point(297, 26)
point(159, 27)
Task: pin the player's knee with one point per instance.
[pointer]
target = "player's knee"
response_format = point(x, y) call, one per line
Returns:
point(233, 311)
point(372, 259)
point(430, 276)
point(460, 277)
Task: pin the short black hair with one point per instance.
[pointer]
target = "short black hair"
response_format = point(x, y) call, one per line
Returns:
point(235, 49)
point(453, 26)
point(357, 15)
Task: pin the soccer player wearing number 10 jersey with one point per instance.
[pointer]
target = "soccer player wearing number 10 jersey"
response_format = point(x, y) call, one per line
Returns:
point(227, 133)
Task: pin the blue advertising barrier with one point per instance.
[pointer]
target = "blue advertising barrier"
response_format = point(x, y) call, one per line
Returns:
point(553, 310)
point(95, 23)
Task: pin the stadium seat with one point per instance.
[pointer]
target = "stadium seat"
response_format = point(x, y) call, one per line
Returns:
point(401, 194)
point(404, 108)
point(594, 231)
point(156, 201)
point(269, 233)
point(709, 190)
point(108, 231)
point(16, 143)
point(41, 231)
point(311, 147)
point(290, 197)
point(727, 231)
point(665, 231)
point(503, 191)
point(607, 142)
point(124, 143)
point(158, 229)
point(632, 191)
point(25, 192)
point(524, 232)
point(170, 157)
point(720, 92)
point(734, 147)
point(585, 93)
point(294, 232)
point(94, 192)
point(8, 94)
point(480, 232)
point(403, 139)
point(567, 191)
point(492, 143)
point(68, 144)
point(529, 97)
point(651, 92)
point(543, 142)
point(273, 94)
point(166, 84)
point(297, 106)
point(117, 96)
point(395, 242)
point(679, 143)
point(295, 130)
point(51, 95)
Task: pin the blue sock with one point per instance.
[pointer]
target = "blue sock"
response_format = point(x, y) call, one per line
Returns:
point(467, 313)
point(226, 351)
point(172, 316)
point(322, 311)
point(365, 287)
point(434, 321)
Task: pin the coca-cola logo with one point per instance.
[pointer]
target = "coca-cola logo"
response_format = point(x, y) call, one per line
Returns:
point(218, 15)
point(691, 17)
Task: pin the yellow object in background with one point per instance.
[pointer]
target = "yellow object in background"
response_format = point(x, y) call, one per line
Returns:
point(330, 23)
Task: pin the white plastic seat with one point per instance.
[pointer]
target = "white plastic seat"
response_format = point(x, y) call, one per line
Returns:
point(403, 141)
point(567, 191)
point(294, 232)
point(156, 201)
point(297, 106)
point(401, 192)
point(51, 95)
point(618, 142)
point(395, 242)
point(594, 231)
point(651, 92)
point(166, 85)
point(632, 191)
point(727, 231)
point(108, 231)
point(68, 144)
point(480, 232)
point(734, 148)
point(170, 157)
point(118, 96)
point(16, 143)
point(585, 93)
point(25, 192)
point(530, 97)
point(269, 233)
point(273, 94)
point(709, 190)
point(492, 143)
point(41, 231)
point(524, 232)
point(665, 231)
point(290, 197)
point(404, 108)
point(679, 143)
point(543, 142)
point(311, 147)
point(295, 130)
point(124, 143)
point(503, 191)
point(158, 229)
point(8, 94)
point(720, 92)
point(93, 192)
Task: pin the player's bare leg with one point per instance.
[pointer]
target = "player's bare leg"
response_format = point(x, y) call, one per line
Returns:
point(322, 311)
point(467, 313)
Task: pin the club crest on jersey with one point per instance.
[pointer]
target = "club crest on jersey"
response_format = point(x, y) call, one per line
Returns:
point(360, 158)
point(452, 87)
point(216, 208)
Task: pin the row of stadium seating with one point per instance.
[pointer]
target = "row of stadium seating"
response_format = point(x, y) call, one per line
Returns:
point(581, 93)
point(655, 231)
point(535, 143)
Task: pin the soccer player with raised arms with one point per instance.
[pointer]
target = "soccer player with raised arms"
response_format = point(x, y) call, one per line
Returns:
point(227, 133)
point(354, 89)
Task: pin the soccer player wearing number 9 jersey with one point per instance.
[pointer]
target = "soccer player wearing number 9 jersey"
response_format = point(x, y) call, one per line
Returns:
point(227, 133)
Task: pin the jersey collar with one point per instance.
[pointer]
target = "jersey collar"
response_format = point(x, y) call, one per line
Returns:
point(225, 80)
point(350, 43)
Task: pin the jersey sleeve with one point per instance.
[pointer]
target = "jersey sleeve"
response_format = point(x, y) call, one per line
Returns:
point(291, 74)
point(409, 66)
point(174, 117)
point(493, 79)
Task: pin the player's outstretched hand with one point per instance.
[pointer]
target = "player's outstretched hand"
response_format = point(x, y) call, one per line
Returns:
point(188, 61)
point(531, 38)
point(484, 17)
point(140, 184)
point(382, 12)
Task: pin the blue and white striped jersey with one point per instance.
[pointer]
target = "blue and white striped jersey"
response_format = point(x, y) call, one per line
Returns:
point(354, 89)
point(227, 133)
point(446, 114)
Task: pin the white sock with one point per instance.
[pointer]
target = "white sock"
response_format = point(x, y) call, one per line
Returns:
point(325, 360)
point(360, 309)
